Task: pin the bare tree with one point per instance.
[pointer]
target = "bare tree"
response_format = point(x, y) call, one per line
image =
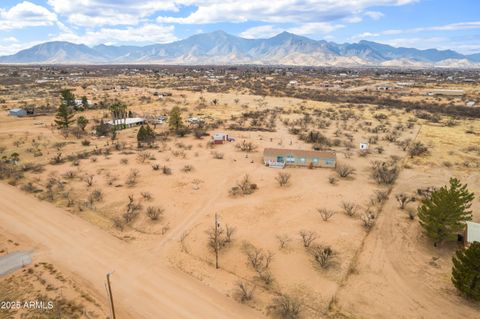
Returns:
point(283, 240)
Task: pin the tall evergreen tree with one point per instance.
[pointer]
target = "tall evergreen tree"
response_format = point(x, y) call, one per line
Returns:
point(64, 117)
point(68, 98)
point(445, 212)
point(466, 271)
point(145, 135)
point(175, 119)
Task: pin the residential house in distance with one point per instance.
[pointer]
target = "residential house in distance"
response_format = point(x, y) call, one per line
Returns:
point(17, 112)
point(279, 157)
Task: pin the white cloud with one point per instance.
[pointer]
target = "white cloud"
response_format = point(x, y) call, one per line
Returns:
point(91, 13)
point(375, 15)
point(26, 14)
point(148, 33)
point(278, 11)
point(315, 27)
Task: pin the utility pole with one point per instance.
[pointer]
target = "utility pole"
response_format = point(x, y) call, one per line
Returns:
point(216, 235)
point(110, 294)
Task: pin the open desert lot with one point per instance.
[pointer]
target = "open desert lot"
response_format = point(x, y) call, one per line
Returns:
point(194, 221)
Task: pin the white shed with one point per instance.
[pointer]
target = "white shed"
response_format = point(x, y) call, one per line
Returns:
point(473, 232)
point(363, 146)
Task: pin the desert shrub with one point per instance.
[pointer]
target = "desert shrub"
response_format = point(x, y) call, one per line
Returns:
point(349, 208)
point(166, 170)
point(326, 214)
point(332, 180)
point(85, 142)
point(308, 237)
point(283, 179)
point(118, 223)
point(344, 170)
point(132, 178)
point(146, 196)
point(88, 179)
point(283, 240)
point(246, 146)
point(156, 167)
point(95, 196)
point(323, 255)
point(243, 187)
point(384, 172)
point(286, 307)
point(244, 291)
point(187, 168)
point(217, 155)
point(368, 220)
point(132, 211)
point(124, 161)
point(154, 213)
point(417, 149)
point(403, 199)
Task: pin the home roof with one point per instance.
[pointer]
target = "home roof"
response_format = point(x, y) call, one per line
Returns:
point(306, 153)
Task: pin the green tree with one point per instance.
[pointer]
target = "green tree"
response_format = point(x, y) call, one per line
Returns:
point(119, 111)
point(84, 102)
point(175, 119)
point(145, 135)
point(64, 117)
point(68, 98)
point(466, 271)
point(444, 213)
point(82, 122)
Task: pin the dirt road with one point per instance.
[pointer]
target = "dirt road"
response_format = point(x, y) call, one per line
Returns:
point(143, 285)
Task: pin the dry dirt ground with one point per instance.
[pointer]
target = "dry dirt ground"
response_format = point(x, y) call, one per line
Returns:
point(165, 267)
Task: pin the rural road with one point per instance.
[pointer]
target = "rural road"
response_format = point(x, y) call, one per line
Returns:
point(14, 261)
point(143, 285)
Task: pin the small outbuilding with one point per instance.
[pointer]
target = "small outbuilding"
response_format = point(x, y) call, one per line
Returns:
point(363, 146)
point(17, 112)
point(292, 157)
point(220, 138)
point(472, 233)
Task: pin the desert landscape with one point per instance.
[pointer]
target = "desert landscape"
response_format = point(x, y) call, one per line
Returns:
point(182, 209)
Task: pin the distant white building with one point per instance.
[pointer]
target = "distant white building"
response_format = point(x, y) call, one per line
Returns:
point(17, 112)
point(363, 146)
point(447, 92)
point(195, 120)
point(128, 122)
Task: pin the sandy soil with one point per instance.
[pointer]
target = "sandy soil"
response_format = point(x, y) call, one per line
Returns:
point(144, 287)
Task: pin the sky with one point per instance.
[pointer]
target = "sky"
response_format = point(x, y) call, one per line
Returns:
point(441, 24)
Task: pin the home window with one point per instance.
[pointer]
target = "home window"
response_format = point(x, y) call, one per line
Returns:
point(290, 159)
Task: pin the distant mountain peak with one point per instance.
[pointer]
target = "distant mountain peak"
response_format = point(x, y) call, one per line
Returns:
point(219, 47)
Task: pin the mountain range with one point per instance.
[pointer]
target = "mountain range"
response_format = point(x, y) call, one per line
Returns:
point(221, 48)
